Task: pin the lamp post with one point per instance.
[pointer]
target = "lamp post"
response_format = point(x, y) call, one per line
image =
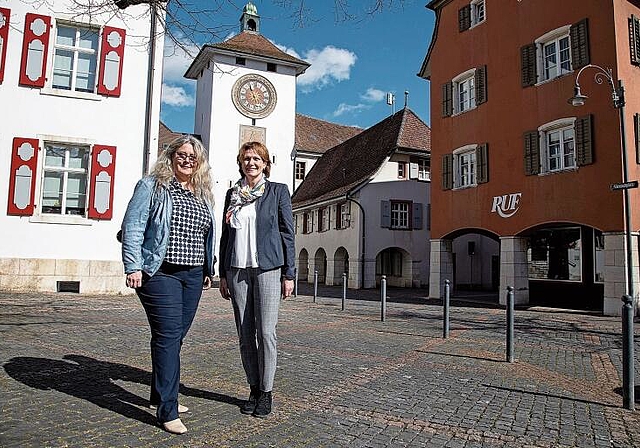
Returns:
point(617, 95)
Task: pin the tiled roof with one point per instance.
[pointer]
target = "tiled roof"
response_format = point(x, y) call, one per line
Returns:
point(165, 136)
point(317, 136)
point(348, 165)
point(250, 42)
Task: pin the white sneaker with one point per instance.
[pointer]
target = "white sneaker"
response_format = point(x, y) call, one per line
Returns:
point(175, 426)
point(181, 409)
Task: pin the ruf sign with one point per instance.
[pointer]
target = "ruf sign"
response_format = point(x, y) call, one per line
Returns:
point(506, 205)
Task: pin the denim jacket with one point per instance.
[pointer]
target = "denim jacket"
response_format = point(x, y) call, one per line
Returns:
point(146, 226)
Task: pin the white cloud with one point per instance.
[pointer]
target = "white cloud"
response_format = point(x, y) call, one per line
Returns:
point(344, 108)
point(177, 58)
point(373, 95)
point(176, 96)
point(327, 65)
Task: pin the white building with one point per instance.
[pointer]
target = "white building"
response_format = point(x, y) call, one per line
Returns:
point(246, 91)
point(364, 208)
point(74, 91)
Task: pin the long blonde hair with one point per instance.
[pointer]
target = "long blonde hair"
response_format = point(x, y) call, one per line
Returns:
point(201, 178)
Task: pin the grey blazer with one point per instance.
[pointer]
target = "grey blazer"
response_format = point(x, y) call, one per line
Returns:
point(275, 232)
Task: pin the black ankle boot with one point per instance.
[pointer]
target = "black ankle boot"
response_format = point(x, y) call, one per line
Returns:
point(263, 408)
point(250, 405)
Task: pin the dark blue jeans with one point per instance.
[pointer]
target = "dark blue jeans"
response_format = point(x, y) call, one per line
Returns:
point(170, 299)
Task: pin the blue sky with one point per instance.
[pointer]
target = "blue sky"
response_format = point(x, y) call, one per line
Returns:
point(353, 63)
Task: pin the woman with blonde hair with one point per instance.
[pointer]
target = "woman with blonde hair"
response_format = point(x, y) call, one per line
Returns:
point(168, 237)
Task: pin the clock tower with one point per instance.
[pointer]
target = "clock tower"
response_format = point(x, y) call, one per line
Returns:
point(246, 91)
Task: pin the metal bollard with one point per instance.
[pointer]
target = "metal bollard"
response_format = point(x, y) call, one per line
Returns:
point(628, 392)
point(344, 289)
point(383, 298)
point(315, 285)
point(295, 284)
point(510, 319)
point(447, 295)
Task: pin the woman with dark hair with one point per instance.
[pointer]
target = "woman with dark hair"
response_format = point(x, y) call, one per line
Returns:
point(168, 236)
point(257, 257)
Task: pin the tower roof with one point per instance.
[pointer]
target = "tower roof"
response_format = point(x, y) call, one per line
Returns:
point(246, 43)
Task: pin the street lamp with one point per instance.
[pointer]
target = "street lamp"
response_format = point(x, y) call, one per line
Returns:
point(617, 95)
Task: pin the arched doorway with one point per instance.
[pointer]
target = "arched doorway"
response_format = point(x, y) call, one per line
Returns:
point(320, 259)
point(396, 265)
point(340, 265)
point(303, 265)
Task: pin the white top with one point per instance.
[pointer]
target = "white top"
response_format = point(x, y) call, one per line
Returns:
point(245, 250)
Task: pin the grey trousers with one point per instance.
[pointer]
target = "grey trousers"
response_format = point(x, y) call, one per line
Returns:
point(255, 295)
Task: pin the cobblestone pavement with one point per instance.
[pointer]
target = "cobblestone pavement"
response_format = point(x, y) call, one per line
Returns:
point(75, 373)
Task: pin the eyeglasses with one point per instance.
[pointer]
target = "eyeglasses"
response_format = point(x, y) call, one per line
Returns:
point(184, 156)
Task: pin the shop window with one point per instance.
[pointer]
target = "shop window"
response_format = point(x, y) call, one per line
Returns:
point(555, 254)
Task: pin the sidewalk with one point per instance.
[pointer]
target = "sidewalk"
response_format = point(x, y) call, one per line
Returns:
point(75, 373)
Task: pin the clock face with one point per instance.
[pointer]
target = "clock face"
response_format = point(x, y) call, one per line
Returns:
point(254, 96)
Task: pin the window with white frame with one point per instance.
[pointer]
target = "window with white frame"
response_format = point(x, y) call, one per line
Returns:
point(301, 168)
point(344, 216)
point(423, 169)
point(64, 179)
point(307, 222)
point(400, 214)
point(464, 165)
point(477, 12)
point(75, 58)
point(464, 92)
point(554, 54)
point(558, 146)
point(401, 170)
point(323, 219)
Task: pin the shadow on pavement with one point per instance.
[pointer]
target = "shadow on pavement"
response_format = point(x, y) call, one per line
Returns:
point(636, 393)
point(416, 296)
point(92, 380)
point(547, 394)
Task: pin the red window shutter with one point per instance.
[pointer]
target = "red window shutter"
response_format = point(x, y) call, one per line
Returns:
point(111, 57)
point(22, 178)
point(103, 170)
point(35, 47)
point(5, 14)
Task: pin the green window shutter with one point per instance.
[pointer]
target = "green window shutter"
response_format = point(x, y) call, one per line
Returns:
point(634, 39)
point(531, 153)
point(447, 99)
point(584, 140)
point(482, 163)
point(579, 36)
point(636, 129)
point(481, 84)
point(447, 171)
point(528, 65)
point(464, 18)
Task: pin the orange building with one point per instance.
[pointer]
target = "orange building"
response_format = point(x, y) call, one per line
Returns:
point(521, 178)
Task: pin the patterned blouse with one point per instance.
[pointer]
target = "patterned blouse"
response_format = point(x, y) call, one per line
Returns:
point(190, 222)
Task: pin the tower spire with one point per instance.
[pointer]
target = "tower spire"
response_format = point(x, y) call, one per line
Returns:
point(250, 20)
